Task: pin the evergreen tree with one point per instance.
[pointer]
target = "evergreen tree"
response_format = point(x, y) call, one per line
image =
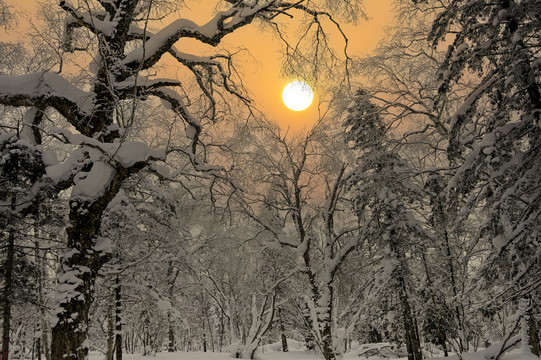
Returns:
point(381, 187)
point(495, 135)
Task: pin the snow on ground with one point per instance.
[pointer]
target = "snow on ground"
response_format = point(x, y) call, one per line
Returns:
point(295, 355)
point(291, 355)
point(516, 354)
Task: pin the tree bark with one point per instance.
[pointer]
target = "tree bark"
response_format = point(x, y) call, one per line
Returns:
point(211, 333)
point(204, 337)
point(283, 331)
point(462, 340)
point(43, 321)
point(118, 319)
point(79, 269)
point(38, 347)
point(442, 338)
point(529, 336)
point(171, 336)
point(8, 289)
point(534, 336)
point(222, 331)
point(412, 341)
point(171, 278)
point(326, 343)
point(110, 332)
point(410, 329)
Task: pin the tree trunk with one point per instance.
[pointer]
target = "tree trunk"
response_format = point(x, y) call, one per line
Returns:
point(39, 287)
point(45, 333)
point(38, 347)
point(534, 336)
point(529, 336)
point(211, 333)
point(44, 318)
point(118, 319)
point(79, 268)
point(326, 343)
point(78, 271)
point(309, 336)
point(417, 336)
point(412, 340)
point(441, 219)
point(443, 339)
point(462, 340)
point(222, 331)
point(204, 340)
point(110, 332)
point(410, 330)
point(324, 322)
point(8, 288)
point(322, 297)
point(171, 335)
point(282, 331)
point(171, 278)
point(203, 317)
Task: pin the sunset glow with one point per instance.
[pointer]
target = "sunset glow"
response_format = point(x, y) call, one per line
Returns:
point(297, 95)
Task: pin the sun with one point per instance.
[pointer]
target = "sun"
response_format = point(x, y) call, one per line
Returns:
point(297, 95)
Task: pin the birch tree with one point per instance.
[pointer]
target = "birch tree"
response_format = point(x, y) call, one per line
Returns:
point(300, 206)
point(382, 186)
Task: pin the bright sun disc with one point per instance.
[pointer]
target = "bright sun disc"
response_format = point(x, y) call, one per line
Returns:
point(297, 95)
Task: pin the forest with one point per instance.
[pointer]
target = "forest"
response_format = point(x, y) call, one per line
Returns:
point(145, 213)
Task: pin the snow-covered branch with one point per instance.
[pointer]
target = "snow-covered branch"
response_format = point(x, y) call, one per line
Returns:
point(91, 21)
point(42, 89)
point(210, 33)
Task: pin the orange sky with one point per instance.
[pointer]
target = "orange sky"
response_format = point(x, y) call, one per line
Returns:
point(263, 69)
point(266, 82)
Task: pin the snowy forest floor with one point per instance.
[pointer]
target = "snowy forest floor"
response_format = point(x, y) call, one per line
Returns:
point(297, 355)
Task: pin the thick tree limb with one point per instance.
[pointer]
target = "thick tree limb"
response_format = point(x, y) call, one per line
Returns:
point(45, 89)
point(211, 33)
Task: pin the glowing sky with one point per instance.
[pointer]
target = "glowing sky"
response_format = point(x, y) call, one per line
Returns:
point(262, 70)
point(265, 82)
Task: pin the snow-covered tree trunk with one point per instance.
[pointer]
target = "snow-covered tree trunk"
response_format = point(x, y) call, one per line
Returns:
point(79, 269)
point(118, 319)
point(410, 328)
point(528, 331)
point(171, 335)
point(463, 342)
point(110, 332)
point(262, 318)
point(324, 313)
point(413, 344)
point(533, 328)
point(442, 334)
point(8, 287)
point(211, 332)
point(171, 279)
point(204, 334)
point(84, 258)
point(321, 299)
point(282, 331)
point(41, 260)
